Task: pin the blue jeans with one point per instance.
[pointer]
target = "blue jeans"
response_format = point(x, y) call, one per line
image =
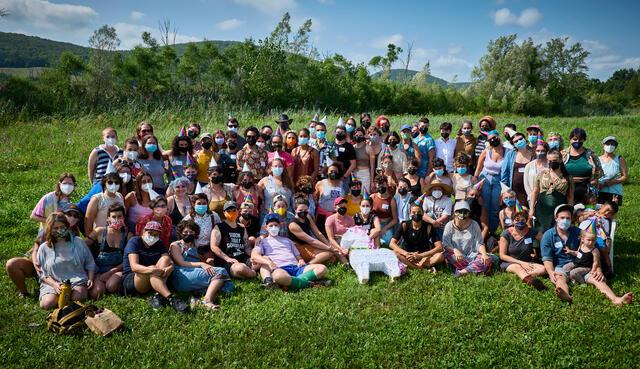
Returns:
point(491, 199)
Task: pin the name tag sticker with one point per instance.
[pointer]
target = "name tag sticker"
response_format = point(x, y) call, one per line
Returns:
point(233, 156)
point(528, 241)
point(263, 164)
point(521, 170)
point(558, 245)
point(385, 206)
point(177, 162)
point(341, 149)
point(508, 221)
point(579, 255)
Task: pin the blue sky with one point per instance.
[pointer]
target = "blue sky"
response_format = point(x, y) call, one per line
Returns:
point(451, 35)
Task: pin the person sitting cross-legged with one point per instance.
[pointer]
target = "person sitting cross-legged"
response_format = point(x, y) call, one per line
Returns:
point(280, 261)
point(422, 248)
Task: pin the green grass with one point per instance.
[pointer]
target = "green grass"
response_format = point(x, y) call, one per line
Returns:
point(420, 321)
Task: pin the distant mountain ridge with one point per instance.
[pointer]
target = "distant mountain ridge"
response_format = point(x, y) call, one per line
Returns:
point(399, 75)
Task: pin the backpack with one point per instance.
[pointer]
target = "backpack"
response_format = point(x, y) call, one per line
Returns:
point(69, 319)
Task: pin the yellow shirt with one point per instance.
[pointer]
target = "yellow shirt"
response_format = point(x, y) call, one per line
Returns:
point(202, 163)
point(353, 205)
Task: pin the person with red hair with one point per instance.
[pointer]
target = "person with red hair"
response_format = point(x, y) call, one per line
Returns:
point(383, 123)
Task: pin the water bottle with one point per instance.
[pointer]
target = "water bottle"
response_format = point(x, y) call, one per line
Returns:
point(65, 294)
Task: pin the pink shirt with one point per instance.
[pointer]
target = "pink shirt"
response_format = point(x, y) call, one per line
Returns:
point(288, 159)
point(339, 226)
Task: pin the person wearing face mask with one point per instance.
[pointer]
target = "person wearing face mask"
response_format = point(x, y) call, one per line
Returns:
point(130, 156)
point(615, 172)
point(64, 257)
point(415, 182)
point(409, 147)
point(137, 202)
point(247, 187)
point(426, 146)
point(551, 188)
point(440, 172)
point(248, 221)
point(583, 165)
point(354, 196)
point(350, 126)
point(486, 124)
point(181, 150)
point(281, 263)
point(508, 132)
point(147, 266)
point(230, 245)
point(337, 224)
point(22, 267)
point(190, 274)
point(368, 219)
point(327, 191)
point(462, 180)
point(555, 241)
point(386, 171)
point(255, 157)
point(310, 242)
point(228, 159)
point(466, 141)
point(152, 161)
point(519, 250)
point(193, 131)
point(265, 135)
point(109, 242)
point(383, 123)
point(345, 153)
point(374, 149)
point(233, 127)
point(400, 161)
point(403, 198)
point(364, 158)
point(280, 207)
point(276, 183)
point(385, 208)
point(57, 200)
point(96, 214)
point(159, 215)
point(421, 247)
point(489, 168)
point(217, 191)
point(535, 166)
point(513, 166)
point(445, 145)
point(464, 249)
point(123, 170)
point(365, 120)
point(305, 189)
point(437, 206)
point(509, 199)
point(203, 157)
point(102, 155)
point(206, 220)
point(283, 124)
point(555, 141)
point(306, 158)
point(533, 131)
point(290, 141)
point(279, 152)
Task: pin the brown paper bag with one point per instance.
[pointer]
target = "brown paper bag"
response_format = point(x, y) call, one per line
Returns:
point(103, 322)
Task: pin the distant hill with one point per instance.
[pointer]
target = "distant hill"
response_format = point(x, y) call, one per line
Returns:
point(22, 51)
point(399, 75)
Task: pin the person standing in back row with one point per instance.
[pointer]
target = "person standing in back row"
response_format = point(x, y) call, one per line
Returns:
point(446, 146)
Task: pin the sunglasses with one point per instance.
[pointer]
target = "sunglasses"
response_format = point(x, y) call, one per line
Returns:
point(112, 182)
point(232, 126)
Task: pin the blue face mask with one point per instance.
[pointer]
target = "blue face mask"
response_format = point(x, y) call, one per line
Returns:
point(277, 171)
point(554, 144)
point(303, 141)
point(509, 202)
point(462, 170)
point(350, 128)
point(520, 144)
point(564, 224)
point(151, 147)
point(533, 138)
point(201, 209)
point(312, 131)
point(439, 172)
point(321, 135)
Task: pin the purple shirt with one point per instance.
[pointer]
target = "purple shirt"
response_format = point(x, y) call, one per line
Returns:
point(280, 250)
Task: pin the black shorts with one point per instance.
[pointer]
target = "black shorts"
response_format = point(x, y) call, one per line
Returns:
point(128, 287)
point(244, 259)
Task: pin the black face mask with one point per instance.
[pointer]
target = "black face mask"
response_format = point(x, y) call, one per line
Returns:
point(403, 191)
point(340, 136)
point(334, 175)
point(494, 142)
point(284, 126)
point(277, 146)
point(424, 130)
point(192, 134)
point(217, 179)
point(207, 145)
point(359, 139)
point(385, 129)
point(342, 211)
point(445, 134)
point(366, 124)
point(183, 149)
point(302, 214)
point(189, 238)
point(415, 134)
point(251, 140)
point(555, 165)
point(393, 144)
point(382, 190)
point(412, 171)
point(246, 216)
point(416, 217)
point(307, 190)
point(232, 145)
point(577, 145)
point(356, 193)
point(266, 137)
point(247, 185)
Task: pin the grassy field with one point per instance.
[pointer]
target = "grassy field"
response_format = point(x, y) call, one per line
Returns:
point(421, 321)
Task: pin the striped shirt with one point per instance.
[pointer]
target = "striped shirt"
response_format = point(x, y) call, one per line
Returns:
point(103, 161)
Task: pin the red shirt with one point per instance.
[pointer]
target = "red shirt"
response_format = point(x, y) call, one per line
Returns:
point(165, 234)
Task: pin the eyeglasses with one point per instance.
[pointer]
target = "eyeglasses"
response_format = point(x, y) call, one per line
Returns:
point(112, 182)
point(160, 206)
point(464, 212)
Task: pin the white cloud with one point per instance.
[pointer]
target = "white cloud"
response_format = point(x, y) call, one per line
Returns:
point(273, 7)
point(527, 18)
point(611, 62)
point(43, 14)
point(453, 50)
point(229, 24)
point(130, 35)
point(136, 15)
point(382, 42)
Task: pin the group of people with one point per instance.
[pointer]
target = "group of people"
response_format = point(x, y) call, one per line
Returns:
point(275, 204)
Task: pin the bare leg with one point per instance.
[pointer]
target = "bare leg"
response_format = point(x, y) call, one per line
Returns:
point(562, 288)
point(325, 257)
point(142, 282)
point(97, 290)
point(18, 270)
point(113, 283)
point(79, 293)
point(281, 277)
point(49, 301)
point(408, 263)
point(213, 289)
point(518, 270)
point(603, 287)
point(242, 271)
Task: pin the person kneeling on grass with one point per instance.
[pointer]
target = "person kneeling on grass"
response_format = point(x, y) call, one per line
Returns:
point(281, 263)
point(64, 257)
point(190, 273)
point(464, 248)
point(422, 247)
point(146, 265)
point(230, 246)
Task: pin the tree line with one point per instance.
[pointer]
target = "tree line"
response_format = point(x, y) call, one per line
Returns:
point(284, 71)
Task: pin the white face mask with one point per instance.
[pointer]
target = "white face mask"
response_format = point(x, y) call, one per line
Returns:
point(147, 187)
point(150, 240)
point(273, 230)
point(132, 155)
point(261, 144)
point(609, 148)
point(67, 188)
point(110, 141)
point(436, 194)
point(113, 188)
point(126, 177)
point(365, 210)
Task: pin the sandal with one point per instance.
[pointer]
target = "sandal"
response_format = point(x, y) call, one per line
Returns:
point(210, 305)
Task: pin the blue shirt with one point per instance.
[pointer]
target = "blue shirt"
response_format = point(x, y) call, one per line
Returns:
point(552, 246)
point(425, 144)
point(147, 256)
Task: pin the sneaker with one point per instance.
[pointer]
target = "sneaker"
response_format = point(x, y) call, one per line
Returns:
point(178, 305)
point(269, 284)
point(157, 301)
point(321, 283)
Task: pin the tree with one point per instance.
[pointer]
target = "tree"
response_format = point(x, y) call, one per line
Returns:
point(386, 62)
point(407, 61)
point(564, 72)
point(167, 32)
point(103, 43)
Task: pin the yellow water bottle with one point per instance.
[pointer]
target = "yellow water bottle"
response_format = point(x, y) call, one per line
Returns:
point(65, 294)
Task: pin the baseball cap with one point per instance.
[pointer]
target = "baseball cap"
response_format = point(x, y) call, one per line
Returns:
point(339, 200)
point(229, 205)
